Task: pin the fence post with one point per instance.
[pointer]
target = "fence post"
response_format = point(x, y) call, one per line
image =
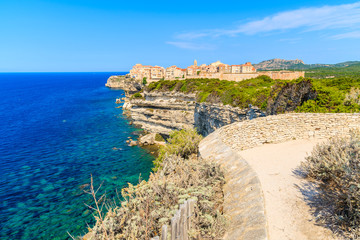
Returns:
point(164, 231)
point(190, 211)
point(183, 220)
point(174, 225)
point(180, 223)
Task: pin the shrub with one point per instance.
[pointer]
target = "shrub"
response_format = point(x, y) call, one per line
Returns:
point(182, 143)
point(149, 205)
point(137, 96)
point(159, 138)
point(336, 167)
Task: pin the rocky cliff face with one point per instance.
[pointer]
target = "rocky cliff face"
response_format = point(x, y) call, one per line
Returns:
point(209, 117)
point(287, 98)
point(163, 112)
point(125, 83)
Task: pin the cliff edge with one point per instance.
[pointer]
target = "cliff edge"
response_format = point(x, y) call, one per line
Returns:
point(125, 83)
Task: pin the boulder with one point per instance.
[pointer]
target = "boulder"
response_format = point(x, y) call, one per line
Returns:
point(151, 139)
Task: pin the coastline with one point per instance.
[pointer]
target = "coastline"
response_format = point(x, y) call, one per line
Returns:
point(65, 132)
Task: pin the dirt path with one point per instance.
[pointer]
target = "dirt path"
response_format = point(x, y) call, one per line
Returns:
point(287, 213)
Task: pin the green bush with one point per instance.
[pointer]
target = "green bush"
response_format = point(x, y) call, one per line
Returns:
point(182, 143)
point(144, 81)
point(137, 96)
point(336, 167)
point(159, 138)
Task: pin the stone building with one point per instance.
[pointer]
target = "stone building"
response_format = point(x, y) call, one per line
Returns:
point(247, 68)
point(174, 72)
point(217, 70)
point(235, 68)
point(224, 68)
point(140, 71)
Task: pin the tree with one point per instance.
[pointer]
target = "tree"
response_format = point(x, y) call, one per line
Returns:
point(144, 81)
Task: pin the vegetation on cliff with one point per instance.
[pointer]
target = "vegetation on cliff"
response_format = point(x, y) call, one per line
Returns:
point(181, 143)
point(150, 204)
point(335, 167)
point(340, 94)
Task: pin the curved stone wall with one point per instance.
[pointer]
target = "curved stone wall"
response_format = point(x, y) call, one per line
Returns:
point(285, 127)
point(243, 196)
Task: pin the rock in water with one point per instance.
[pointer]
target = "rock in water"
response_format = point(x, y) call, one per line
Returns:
point(132, 143)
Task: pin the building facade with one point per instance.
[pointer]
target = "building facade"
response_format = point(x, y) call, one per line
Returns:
point(214, 70)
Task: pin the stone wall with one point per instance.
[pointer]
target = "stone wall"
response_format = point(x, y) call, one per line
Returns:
point(243, 197)
point(244, 204)
point(282, 75)
point(285, 127)
point(238, 76)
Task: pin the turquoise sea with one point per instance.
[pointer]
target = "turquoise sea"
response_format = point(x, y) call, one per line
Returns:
point(56, 129)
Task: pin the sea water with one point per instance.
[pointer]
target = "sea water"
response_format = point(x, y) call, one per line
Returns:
point(56, 130)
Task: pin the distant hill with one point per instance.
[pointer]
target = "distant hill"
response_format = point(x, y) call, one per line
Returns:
point(277, 64)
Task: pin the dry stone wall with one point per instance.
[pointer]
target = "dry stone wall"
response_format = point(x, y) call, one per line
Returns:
point(285, 127)
point(244, 204)
point(282, 75)
point(243, 197)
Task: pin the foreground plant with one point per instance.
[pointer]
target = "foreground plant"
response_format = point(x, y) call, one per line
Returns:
point(335, 166)
point(147, 206)
point(181, 143)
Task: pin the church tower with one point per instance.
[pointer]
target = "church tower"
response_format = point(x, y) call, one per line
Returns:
point(195, 63)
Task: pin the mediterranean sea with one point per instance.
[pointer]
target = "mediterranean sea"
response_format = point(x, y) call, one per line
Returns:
point(56, 129)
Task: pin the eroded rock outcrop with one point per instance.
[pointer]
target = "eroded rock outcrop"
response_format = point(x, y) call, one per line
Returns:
point(287, 98)
point(209, 117)
point(162, 112)
point(125, 83)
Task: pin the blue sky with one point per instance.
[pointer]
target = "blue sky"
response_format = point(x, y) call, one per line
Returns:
point(106, 35)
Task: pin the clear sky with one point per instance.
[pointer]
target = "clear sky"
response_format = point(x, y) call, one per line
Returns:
point(113, 35)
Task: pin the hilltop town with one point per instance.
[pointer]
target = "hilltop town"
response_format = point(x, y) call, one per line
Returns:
point(217, 70)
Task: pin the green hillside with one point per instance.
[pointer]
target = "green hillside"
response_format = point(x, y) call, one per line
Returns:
point(338, 94)
point(351, 70)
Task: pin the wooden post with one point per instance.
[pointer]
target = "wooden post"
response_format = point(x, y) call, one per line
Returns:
point(173, 227)
point(183, 220)
point(191, 203)
point(164, 231)
point(180, 223)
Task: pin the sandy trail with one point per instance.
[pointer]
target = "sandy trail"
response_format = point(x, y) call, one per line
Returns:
point(287, 213)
